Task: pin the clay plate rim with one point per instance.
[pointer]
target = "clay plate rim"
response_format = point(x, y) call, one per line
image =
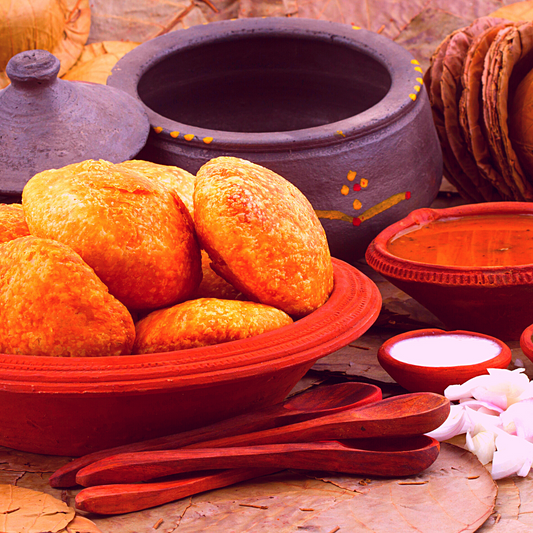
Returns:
point(389, 265)
point(503, 359)
point(351, 309)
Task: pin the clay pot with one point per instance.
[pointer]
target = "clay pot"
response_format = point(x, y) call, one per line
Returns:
point(436, 375)
point(494, 300)
point(73, 406)
point(339, 111)
point(46, 122)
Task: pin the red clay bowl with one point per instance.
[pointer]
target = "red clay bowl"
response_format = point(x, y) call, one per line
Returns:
point(453, 279)
point(74, 406)
point(431, 367)
point(526, 342)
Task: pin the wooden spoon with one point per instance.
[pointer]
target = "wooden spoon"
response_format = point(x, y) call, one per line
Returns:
point(409, 414)
point(127, 498)
point(399, 416)
point(314, 403)
point(368, 457)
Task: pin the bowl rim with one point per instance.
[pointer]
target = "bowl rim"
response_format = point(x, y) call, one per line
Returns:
point(389, 265)
point(526, 342)
point(505, 354)
point(406, 91)
point(352, 308)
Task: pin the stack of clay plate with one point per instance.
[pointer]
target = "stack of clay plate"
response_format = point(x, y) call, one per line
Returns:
point(472, 79)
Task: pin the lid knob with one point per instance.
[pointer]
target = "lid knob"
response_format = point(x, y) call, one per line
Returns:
point(33, 68)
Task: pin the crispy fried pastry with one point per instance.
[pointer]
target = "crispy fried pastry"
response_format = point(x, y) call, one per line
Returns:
point(12, 222)
point(52, 303)
point(262, 235)
point(175, 178)
point(203, 322)
point(134, 232)
point(214, 286)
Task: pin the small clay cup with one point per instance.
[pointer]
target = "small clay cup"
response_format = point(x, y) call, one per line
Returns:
point(418, 378)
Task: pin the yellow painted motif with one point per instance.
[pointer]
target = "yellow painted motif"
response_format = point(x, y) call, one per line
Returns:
point(418, 69)
point(357, 204)
point(417, 88)
point(334, 215)
point(345, 190)
point(189, 137)
point(420, 80)
point(158, 129)
point(339, 132)
point(415, 62)
point(356, 27)
point(351, 175)
point(412, 96)
point(364, 183)
point(207, 140)
point(382, 206)
point(174, 134)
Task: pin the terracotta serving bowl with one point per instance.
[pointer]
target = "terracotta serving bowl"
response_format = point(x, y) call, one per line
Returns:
point(421, 366)
point(526, 342)
point(471, 265)
point(339, 111)
point(73, 406)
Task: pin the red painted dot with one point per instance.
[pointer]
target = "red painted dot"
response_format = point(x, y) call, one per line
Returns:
point(356, 221)
point(357, 187)
point(407, 195)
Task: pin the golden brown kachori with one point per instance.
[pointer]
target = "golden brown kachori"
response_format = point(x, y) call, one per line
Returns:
point(12, 222)
point(133, 231)
point(53, 304)
point(262, 235)
point(203, 322)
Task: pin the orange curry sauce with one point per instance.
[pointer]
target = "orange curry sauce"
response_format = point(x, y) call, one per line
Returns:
point(485, 240)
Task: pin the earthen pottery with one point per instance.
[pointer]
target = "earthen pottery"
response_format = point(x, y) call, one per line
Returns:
point(46, 122)
point(526, 342)
point(74, 406)
point(434, 377)
point(470, 265)
point(339, 111)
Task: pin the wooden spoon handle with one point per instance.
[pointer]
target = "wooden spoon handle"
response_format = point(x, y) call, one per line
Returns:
point(327, 456)
point(127, 498)
point(331, 398)
point(399, 416)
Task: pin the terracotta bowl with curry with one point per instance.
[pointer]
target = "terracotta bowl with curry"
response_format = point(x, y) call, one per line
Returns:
point(470, 265)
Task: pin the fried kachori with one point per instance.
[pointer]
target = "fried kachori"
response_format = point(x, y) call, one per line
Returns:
point(175, 178)
point(53, 304)
point(203, 322)
point(262, 235)
point(135, 232)
point(12, 222)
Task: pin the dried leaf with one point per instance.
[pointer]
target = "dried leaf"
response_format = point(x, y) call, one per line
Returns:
point(97, 60)
point(455, 494)
point(518, 11)
point(59, 26)
point(27, 511)
point(81, 524)
point(141, 20)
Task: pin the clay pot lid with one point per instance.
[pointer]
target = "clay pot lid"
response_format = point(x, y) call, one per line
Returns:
point(46, 122)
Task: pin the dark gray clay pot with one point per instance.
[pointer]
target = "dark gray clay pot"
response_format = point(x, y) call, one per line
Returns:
point(46, 122)
point(339, 111)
